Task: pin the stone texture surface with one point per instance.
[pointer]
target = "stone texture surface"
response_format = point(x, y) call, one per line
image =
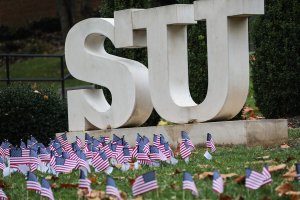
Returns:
point(267, 132)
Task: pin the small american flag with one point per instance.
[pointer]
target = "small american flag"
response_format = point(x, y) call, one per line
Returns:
point(146, 143)
point(139, 138)
point(218, 185)
point(20, 156)
point(189, 184)
point(46, 190)
point(254, 179)
point(111, 187)
point(126, 154)
point(3, 195)
point(156, 140)
point(141, 156)
point(2, 164)
point(87, 138)
point(100, 161)
point(32, 182)
point(210, 143)
point(156, 154)
point(104, 139)
point(185, 150)
point(82, 161)
point(267, 175)
point(4, 149)
point(43, 154)
point(64, 165)
point(63, 139)
point(107, 150)
point(144, 183)
point(84, 183)
point(88, 150)
point(79, 143)
point(185, 137)
point(22, 145)
point(297, 165)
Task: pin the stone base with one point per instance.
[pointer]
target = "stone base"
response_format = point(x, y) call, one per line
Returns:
point(267, 132)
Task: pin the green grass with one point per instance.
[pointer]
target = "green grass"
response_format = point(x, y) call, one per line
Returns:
point(225, 159)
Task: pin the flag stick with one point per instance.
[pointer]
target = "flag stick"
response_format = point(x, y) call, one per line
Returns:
point(27, 195)
point(183, 195)
point(157, 193)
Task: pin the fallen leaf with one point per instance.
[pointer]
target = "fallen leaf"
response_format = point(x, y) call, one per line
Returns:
point(68, 185)
point(289, 159)
point(123, 195)
point(203, 175)
point(131, 180)
point(292, 193)
point(176, 187)
point(230, 175)
point(177, 171)
point(225, 197)
point(291, 174)
point(284, 146)
point(240, 179)
point(93, 179)
point(54, 186)
point(275, 168)
point(284, 188)
point(118, 166)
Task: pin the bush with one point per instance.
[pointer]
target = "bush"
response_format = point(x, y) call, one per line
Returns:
point(276, 69)
point(25, 111)
point(196, 49)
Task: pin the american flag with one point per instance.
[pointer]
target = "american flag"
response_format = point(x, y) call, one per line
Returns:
point(82, 161)
point(267, 175)
point(2, 164)
point(104, 139)
point(57, 149)
point(84, 183)
point(189, 184)
point(107, 150)
point(43, 154)
point(46, 190)
point(156, 154)
point(146, 143)
point(156, 140)
point(139, 138)
point(79, 143)
point(126, 154)
point(22, 145)
point(4, 149)
point(20, 156)
point(88, 150)
point(141, 156)
point(111, 187)
point(297, 165)
point(185, 137)
point(87, 138)
point(100, 161)
point(3, 195)
point(64, 165)
point(254, 179)
point(144, 183)
point(75, 146)
point(185, 150)
point(32, 182)
point(165, 149)
point(34, 160)
point(210, 143)
point(63, 139)
point(218, 185)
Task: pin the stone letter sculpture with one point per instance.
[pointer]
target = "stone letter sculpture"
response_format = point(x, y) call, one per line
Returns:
point(163, 31)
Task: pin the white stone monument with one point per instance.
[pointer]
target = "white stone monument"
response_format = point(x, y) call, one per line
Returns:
point(164, 85)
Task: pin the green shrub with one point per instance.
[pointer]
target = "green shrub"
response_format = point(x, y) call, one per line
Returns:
point(196, 50)
point(276, 69)
point(25, 111)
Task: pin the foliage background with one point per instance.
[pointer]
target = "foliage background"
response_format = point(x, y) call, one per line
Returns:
point(276, 68)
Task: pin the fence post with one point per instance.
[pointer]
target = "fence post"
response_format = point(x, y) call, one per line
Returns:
point(7, 69)
point(62, 74)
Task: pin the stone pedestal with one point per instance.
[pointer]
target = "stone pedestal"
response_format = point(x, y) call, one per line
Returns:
point(267, 132)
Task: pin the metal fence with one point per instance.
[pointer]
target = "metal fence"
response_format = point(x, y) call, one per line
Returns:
point(7, 58)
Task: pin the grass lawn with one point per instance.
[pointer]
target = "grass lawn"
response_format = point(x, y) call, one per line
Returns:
point(225, 159)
